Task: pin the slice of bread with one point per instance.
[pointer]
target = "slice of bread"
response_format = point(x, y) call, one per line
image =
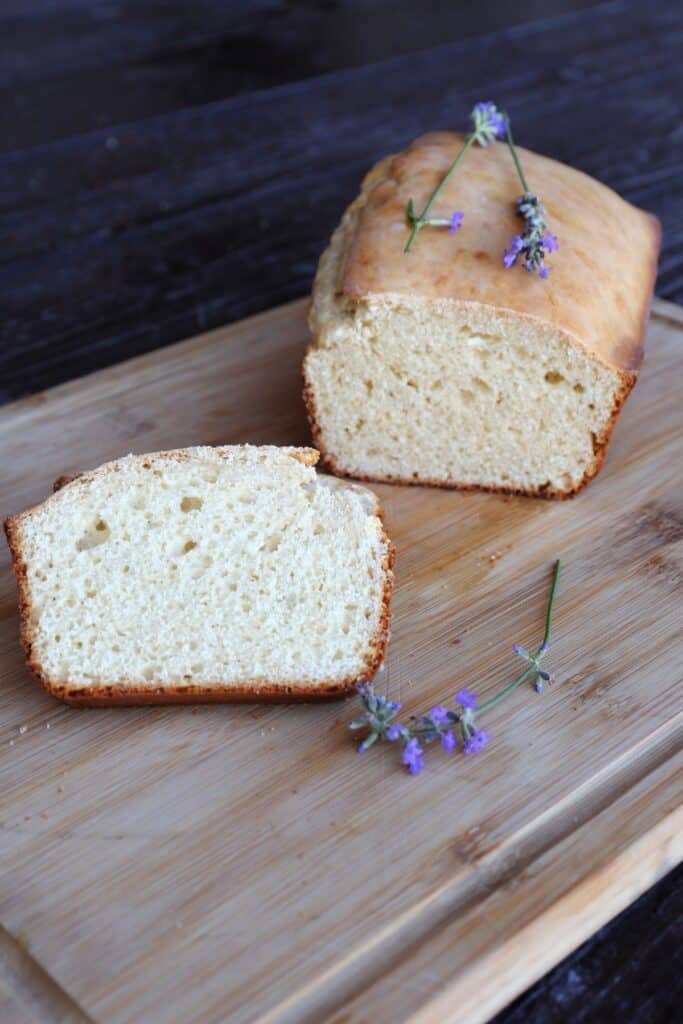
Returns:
point(442, 367)
point(205, 574)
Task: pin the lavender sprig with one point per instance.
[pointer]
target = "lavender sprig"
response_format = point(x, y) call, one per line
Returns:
point(536, 240)
point(441, 723)
point(378, 713)
point(488, 124)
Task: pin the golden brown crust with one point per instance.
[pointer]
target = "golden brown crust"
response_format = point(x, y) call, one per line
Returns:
point(63, 480)
point(20, 574)
point(600, 446)
point(368, 264)
point(249, 691)
point(600, 289)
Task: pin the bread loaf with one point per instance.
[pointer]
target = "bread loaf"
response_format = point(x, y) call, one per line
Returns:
point(440, 366)
point(203, 574)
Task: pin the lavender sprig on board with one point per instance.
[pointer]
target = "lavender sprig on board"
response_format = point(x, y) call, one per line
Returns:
point(378, 714)
point(442, 724)
point(488, 123)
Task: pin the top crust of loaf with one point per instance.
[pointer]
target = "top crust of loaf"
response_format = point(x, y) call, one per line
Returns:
point(600, 287)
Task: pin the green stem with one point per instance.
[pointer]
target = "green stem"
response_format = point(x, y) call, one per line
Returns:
point(546, 639)
point(551, 602)
point(423, 730)
point(513, 150)
point(504, 693)
point(417, 224)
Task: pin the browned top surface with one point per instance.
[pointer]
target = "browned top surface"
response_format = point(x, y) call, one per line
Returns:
point(602, 277)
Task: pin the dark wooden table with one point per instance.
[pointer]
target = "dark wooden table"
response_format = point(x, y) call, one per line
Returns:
point(168, 166)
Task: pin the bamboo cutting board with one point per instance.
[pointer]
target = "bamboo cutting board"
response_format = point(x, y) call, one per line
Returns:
point(242, 863)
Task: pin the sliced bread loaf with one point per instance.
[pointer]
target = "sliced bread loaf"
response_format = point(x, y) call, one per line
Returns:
point(232, 573)
point(441, 366)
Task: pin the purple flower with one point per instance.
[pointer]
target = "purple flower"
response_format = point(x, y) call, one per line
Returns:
point(533, 245)
point(377, 712)
point(455, 222)
point(539, 685)
point(466, 699)
point(489, 123)
point(522, 651)
point(413, 757)
point(476, 741)
point(449, 741)
point(439, 715)
point(550, 242)
point(394, 732)
point(513, 251)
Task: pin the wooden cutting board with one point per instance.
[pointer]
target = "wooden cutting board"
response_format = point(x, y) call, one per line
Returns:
point(242, 863)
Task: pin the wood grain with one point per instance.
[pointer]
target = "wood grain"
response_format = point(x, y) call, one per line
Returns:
point(73, 66)
point(153, 228)
point(236, 863)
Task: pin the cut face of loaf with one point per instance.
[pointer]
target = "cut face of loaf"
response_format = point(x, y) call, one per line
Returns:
point(458, 397)
point(203, 574)
point(441, 366)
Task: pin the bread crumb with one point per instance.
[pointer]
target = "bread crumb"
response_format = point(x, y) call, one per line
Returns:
point(198, 522)
point(23, 729)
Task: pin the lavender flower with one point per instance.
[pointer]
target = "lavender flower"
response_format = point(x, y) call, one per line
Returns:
point(378, 712)
point(513, 251)
point(456, 220)
point(395, 731)
point(476, 741)
point(432, 727)
point(489, 123)
point(413, 757)
point(449, 741)
point(550, 242)
point(536, 242)
point(466, 699)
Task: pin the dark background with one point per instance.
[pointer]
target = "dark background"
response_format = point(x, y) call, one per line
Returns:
point(167, 166)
